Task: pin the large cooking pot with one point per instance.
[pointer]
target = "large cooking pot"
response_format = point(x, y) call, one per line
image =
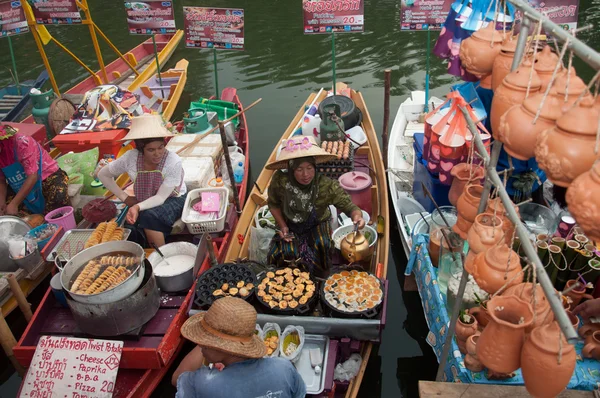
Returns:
point(10, 225)
point(75, 265)
point(184, 279)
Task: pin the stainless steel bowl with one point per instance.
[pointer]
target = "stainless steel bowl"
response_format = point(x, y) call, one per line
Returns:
point(182, 281)
point(10, 225)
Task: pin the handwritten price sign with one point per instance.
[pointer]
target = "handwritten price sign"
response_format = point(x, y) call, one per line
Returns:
point(327, 16)
point(72, 367)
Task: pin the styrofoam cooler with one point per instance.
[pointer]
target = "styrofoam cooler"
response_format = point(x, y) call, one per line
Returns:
point(209, 146)
point(197, 172)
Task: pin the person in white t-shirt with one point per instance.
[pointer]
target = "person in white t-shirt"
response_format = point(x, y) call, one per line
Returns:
point(157, 175)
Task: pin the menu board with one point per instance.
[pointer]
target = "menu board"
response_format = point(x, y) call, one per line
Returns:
point(52, 12)
point(72, 367)
point(562, 12)
point(327, 16)
point(12, 18)
point(150, 17)
point(220, 28)
point(423, 14)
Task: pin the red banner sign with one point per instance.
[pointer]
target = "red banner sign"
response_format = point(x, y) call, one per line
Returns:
point(12, 18)
point(150, 17)
point(561, 12)
point(221, 28)
point(423, 14)
point(327, 16)
point(55, 12)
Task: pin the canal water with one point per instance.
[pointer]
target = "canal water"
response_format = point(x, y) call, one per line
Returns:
point(282, 66)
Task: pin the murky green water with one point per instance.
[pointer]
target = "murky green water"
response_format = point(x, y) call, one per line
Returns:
point(283, 66)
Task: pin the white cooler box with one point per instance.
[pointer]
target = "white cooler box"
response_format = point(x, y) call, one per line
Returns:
point(197, 172)
point(209, 146)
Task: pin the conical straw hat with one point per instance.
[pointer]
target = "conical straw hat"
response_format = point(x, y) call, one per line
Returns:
point(299, 147)
point(147, 126)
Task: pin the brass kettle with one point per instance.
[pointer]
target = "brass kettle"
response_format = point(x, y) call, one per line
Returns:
point(355, 246)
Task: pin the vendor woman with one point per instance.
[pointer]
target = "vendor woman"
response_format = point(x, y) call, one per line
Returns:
point(157, 175)
point(299, 199)
point(29, 177)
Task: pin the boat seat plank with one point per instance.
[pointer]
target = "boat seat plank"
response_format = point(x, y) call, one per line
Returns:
point(429, 389)
point(160, 323)
point(10, 96)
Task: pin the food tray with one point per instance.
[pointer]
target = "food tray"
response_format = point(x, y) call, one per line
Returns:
point(301, 309)
point(73, 242)
point(337, 313)
point(315, 383)
point(214, 278)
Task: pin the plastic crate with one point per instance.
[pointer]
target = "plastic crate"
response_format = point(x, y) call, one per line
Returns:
point(211, 226)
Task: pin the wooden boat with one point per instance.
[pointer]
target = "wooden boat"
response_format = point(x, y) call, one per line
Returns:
point(146, 358)
point(14, 99)
point(368, 155)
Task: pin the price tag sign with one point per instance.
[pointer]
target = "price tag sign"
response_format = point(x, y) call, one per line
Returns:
point(12, 18)
point(73, 367)
point(220, 28)
point(55, 12)
point(423, 14)
point(328, 16)
point(150, 17)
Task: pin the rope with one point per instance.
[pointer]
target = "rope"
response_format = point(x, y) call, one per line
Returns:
point(551, 259)
point(504, 19)
point(560, 346)
point(533, 294)
point(535, 51)
point(512, 241)
point(510, 281)
point(569, 69)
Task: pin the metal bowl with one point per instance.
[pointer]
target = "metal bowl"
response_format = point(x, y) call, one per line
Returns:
point(343, 231)
point(10, 225)
point(179, 282)
point(538, 219)
point(119, 292)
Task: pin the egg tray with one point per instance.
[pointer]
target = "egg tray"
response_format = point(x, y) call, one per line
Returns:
point(336, 168)
point(335, 313)
point(213, 279)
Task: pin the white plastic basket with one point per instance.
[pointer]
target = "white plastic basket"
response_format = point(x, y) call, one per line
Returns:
point(211, 226)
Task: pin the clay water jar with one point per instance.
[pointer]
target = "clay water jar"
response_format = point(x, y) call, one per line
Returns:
point(466, 206)
point(544, 376)
point(574, 320)
point(583, 191)
point(542, 310)
point(485, 233)
point(471, 361)
point(576, 86)
point(464, 174)
point(591, 349)
point(490, 269)
point(500, 343)
point(507, 226)
point(544, 64)
point(576, 294)
point(511, 92)
point(588, 329)
point(517, 131)
point(566, 151)
point(477, 53)
point(463, 331)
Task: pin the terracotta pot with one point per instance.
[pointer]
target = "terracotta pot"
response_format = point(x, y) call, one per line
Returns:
point(539, 360)
point(581, 198)
point(566, 302)
point(503, 61)
point(507, 226)
point(485, 233)
point(492, 269)
point(563, 163)
point(517, 131)
point(463, 332)
point(545, 62)
point(463, 174)
point(486, 82)
point(466, 206)
point(576, 294)
point(511, 92)
point(542, 310)
point(481, 315)
point(588, 328)
point(575, 321)
point(500, 343)
point(471, 361)
point(591, 349)
point(576, 86)
point(477, 53)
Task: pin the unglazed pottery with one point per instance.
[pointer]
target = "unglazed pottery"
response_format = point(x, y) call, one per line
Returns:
point(544, 375)
point(463, 331)
point(592, 346)
point(500, 343)
point(582, 198)
point(517, 131)
point(471, 361)
point(495, 206)
point(477, 53)
point(568, 90)
point(492, 269)
point(577, 294)
point(587, 329)
point(481, 315)
point(463, 174)
point(575, 321)
point(545, 63)
point(561, 162)
point(542, 310)
point(511, 92)
point(466, 206)
point(503, 61)
point(485, 233)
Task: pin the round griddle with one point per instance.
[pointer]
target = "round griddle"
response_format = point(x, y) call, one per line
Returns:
point(214, 278)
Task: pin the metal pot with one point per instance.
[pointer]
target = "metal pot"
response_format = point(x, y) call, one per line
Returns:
point(182, 281)
point(10, 225)
point(117, 293)
point(355, 247)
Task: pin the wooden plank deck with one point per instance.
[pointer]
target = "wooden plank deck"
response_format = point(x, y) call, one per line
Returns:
point(428, 389)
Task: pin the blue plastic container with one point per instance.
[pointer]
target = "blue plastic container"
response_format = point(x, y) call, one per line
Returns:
point(42, 243)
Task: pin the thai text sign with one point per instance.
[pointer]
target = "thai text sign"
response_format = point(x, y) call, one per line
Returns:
point(68, 366)
point(150, 17)
point(327, 16)
point(423, 14)
point(221, 28)
point(561, 12)
point(12, 18)
point(55, 11)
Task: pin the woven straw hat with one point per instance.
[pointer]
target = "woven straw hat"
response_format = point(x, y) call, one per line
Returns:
point(147, 126)
point(227, 326)
point(299, 147)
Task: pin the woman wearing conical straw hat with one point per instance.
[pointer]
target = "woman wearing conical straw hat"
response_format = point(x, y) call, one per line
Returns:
point(157, 175)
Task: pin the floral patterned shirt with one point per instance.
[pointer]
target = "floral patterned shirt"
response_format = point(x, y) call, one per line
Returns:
point(28, 154)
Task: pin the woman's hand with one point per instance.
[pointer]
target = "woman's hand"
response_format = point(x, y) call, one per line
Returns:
point(131, 201)
point(2, 207)
point(284, 233)
point(132, 214)
point(587, 309)
point(12, 209)
point(359, 220)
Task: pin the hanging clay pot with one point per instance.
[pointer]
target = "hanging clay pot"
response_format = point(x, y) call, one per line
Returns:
point(495, 206)
point(485, 233)
point(466, 206)
point(582, 198)
point(500, 343)
point(477, 53)
point(517, 131)
point(544, 374)
point(543, 312)
point(492, 269)
point(568, 90)
point(503, 61)
point(463, 174)
point(545, 62)
point(471, 361)
point(591, 349)
point(463, 331)
point(566, 151)
point(511, 92)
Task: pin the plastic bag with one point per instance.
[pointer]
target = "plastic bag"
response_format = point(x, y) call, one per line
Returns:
point(348, 370)
point(272, 332)
point(83, 163)
point(291, 343)
point(260, 243)
point(258, 331)
point(20, 246)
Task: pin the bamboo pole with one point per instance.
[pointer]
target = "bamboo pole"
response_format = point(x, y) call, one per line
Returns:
point(236, 198)
point(20, 297)
point(8, 341)
point(211, 250)
point(387, 77)
point(115, 49)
